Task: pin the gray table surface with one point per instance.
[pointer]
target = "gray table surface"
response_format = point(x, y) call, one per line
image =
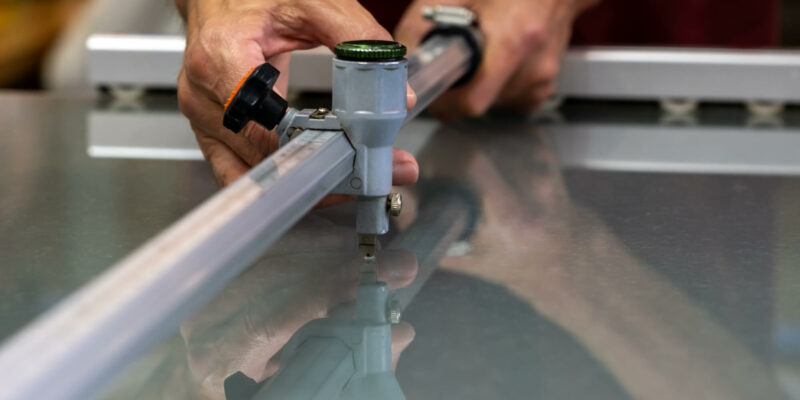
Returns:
point(562, 282)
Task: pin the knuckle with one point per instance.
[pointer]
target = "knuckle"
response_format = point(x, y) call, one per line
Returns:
point(548, 92)
point(532, 34)
point(548, 69)
point(474, 108)
point(185, 99)
point(195, 62)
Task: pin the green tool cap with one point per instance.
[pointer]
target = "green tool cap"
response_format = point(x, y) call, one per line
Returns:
point(370, 50)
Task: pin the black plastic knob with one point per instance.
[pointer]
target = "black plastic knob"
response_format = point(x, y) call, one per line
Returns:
point(254, 100)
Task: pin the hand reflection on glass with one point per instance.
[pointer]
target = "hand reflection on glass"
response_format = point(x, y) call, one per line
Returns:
point(562, 260)
point(310, 272)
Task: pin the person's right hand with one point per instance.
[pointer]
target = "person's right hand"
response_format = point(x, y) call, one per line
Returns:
point(226, 38)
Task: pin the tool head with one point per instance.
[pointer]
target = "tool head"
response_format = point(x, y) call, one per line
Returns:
point(370, 50)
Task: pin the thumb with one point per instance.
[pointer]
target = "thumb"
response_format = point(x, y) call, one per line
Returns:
point(331, 22)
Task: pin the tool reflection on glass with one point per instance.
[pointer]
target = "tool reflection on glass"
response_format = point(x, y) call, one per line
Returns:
point(232, 346)
point(351, 359)
point(244, 329)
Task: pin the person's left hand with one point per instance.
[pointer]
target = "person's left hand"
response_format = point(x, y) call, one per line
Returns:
point(523, 44)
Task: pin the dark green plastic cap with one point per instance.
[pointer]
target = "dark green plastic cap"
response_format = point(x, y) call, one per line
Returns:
point(370, 50)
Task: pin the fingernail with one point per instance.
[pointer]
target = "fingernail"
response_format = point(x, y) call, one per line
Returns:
point(404, 172)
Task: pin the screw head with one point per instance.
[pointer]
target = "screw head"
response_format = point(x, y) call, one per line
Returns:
point(395, 312)
point(319, 113)
point(394, 203)
point(292, 132)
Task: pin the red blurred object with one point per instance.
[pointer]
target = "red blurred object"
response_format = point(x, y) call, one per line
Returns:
point(701, 23)
point(387, 13)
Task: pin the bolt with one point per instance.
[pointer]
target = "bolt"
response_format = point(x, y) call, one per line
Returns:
point(394, 204)
point(355, 183)
point(319, 113)
point(449, 15)
point(395, 312)
point(294, 132)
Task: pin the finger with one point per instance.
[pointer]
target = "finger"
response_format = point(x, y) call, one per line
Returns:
point(328, 23)
point(412, 27)
point(540, 95)
point(216, 62)
point(402, 335)
point(264, 141)
point(529, 99)
point(206, 119)
point(281, 63)
point(411, 97)
point(501, 58)
point(535, 82)
point(405, 169)
point(334, 199)
point(528, 87)
point(227, 166)
point(397, 267)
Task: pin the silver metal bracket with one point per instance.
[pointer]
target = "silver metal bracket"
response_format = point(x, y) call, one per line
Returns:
point(449, 15)
point(296, 121)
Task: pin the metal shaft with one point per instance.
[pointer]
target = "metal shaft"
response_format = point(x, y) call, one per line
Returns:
point(434, 67)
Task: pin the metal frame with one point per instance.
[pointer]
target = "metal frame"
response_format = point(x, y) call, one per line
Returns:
point(591, 145)
point(588, 72)
point(699, 74)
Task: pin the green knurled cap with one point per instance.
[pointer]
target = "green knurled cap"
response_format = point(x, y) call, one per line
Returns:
point(369, 50)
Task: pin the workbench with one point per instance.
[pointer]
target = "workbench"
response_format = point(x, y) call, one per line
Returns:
point(601, 251)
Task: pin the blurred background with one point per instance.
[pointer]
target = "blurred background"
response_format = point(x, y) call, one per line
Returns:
point(42, 42)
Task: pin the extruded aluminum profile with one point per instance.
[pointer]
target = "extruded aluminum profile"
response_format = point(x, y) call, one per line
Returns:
point(153, 61)
point(590, 72)
point(681, 149)
point(699, 74)
point(143, 135)
point(73, 349)
point(149, 61)
point(600, 146)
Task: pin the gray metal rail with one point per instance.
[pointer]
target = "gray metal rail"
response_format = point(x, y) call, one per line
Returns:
point(603, 72)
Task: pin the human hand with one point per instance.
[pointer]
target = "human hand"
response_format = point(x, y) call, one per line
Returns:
point(225, 38)
point(523, 44)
